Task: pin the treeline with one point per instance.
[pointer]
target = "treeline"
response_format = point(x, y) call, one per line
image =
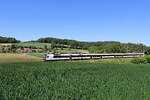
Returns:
point(71, 43)
point(119, 48)
point(8, 40)
point(63, 42)
point(97, 47)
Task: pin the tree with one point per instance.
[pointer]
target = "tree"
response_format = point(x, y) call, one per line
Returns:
point(114, 49)
point(53, 45)
point(8, 40)
point(147, 51)
point(93, 49)
point(13, 48)
point(46, 48)
point(123, 50)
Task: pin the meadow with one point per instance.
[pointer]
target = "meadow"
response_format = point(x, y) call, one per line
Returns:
point(34, 44)
point(106, 61)
point(39, 55)
point(68, 50)
point(74, 81)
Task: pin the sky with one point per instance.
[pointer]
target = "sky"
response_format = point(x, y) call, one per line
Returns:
point(83, 20)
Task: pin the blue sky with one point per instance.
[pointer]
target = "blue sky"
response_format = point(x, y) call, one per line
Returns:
point(84, 20)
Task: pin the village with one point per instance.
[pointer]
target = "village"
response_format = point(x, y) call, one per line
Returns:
point(9, 49)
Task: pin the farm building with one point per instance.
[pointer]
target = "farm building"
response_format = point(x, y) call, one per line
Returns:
point(6, 48)
point(27, 50)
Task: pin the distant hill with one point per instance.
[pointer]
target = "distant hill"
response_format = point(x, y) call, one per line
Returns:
point(97, 47)
point(34, 45)
point(8, 40)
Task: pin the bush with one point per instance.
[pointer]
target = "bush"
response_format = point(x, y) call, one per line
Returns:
point(148, 58)
point(139, 61)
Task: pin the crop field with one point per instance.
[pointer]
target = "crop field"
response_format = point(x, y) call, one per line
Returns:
point(74, 81)
point(9, 57)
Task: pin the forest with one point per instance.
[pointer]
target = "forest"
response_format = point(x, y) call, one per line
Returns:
point(8, 40)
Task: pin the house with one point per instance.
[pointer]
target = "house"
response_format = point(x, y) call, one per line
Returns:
point(19, 50)
point(5, 48)
point(39, 51)
point(27, 50)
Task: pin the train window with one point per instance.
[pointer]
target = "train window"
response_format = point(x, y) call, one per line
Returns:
point(47, 56)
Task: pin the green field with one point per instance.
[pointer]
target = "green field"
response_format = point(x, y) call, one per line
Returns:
point(39, 55)
point(74, 81)
point(67, 50)
point(34, 44)
point(106, 61)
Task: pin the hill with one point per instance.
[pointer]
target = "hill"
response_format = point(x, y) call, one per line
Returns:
point(96, 47)
point(35, 45)
point(66, 45)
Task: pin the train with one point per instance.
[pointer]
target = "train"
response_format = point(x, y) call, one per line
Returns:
point(59, 57)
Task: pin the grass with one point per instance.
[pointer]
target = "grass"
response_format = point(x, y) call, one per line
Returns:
point(72, 51)
point(34, 44)
point(107, 61)
point(74, 81)
point(8, 57)
point(39, 55)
